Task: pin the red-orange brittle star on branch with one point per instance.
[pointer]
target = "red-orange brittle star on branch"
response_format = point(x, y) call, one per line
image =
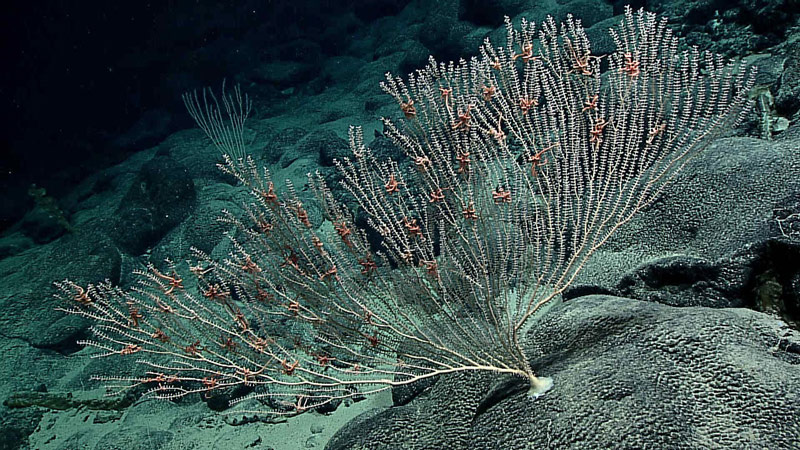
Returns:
point(501, 195)
point(344, 232)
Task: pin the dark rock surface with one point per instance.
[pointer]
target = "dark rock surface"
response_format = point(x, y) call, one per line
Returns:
point(628, 375)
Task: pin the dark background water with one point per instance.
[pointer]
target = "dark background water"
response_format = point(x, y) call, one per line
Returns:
point(85, 83)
